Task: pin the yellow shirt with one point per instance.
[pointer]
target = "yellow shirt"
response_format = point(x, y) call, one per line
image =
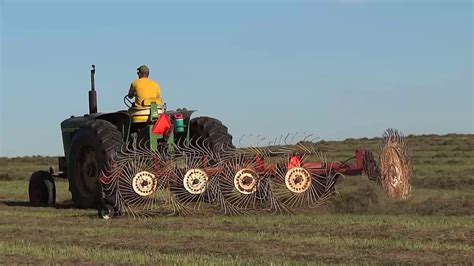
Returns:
point(144, 88)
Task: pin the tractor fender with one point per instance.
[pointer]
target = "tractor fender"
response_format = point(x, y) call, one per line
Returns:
point(69, 127)
point(186, 113)
point(122, 120)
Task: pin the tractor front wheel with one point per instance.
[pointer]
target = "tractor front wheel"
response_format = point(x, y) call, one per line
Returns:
point(41, 189)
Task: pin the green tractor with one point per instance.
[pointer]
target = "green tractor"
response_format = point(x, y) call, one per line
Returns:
point(90, 142)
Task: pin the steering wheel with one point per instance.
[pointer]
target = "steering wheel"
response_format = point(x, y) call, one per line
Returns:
point(127, 101)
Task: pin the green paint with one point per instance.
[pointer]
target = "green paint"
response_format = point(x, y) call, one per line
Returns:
point(179, 125)
point(154, 111)
point(153, 139)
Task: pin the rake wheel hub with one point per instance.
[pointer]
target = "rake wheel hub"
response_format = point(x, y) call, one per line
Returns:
point(394, 172)
point(144, 183)
point(396, 177)
point(246, 181)
point(298, 180)
point(195, 181)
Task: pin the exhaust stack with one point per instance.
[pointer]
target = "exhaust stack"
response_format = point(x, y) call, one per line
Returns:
point(92, 93)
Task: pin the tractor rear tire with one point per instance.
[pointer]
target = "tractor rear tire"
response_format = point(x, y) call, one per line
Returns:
point(210, 133)
point(92, 148)
point(41, 189)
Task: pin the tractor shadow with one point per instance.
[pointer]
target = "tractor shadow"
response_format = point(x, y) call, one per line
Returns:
point(60, 205)
point(17, 203)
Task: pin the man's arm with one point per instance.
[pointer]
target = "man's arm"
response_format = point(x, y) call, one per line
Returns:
point(131, 91)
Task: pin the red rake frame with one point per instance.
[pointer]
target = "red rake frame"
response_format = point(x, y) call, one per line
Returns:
point(289, 177)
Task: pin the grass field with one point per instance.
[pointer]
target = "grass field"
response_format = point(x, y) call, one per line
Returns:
point(359, 226)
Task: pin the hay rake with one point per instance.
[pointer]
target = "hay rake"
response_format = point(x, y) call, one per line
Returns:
point(148, 160)
point(185, 179)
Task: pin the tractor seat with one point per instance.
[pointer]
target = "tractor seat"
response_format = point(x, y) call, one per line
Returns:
point(141, 114)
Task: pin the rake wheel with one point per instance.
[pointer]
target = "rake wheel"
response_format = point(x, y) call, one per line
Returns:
point(241, 188)
point(395, 166)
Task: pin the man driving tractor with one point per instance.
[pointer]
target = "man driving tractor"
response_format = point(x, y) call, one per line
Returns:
point(144, 88)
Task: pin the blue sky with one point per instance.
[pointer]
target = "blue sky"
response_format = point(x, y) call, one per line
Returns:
point(338, 69)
